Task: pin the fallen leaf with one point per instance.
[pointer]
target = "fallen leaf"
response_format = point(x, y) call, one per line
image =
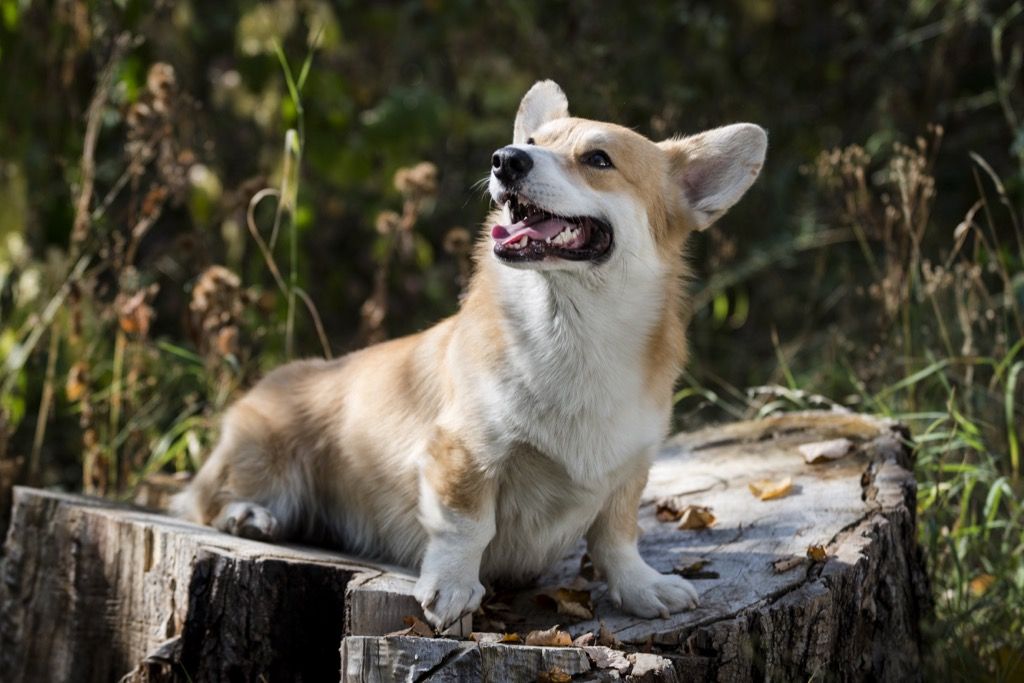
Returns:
point(491, 637)
point(770, 489)
point(784, 564)
point(690, 565)
point(606, 638)
point(553, 675)
point(666, 510)
point(696, 517)
point(694, 570)
point(824, 451)
point(584, 640)
point(549, 638)
point(980, 584)
point(418, 627)
point(816, 553)
point(688, 516)
point(568, 601)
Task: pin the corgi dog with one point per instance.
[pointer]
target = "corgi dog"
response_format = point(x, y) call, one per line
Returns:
point(485, 447)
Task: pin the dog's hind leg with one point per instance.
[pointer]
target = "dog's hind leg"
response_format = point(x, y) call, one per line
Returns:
point(248, 487)
point(248, 520)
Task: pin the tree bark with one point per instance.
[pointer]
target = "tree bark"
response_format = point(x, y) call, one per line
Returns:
point(94, 591)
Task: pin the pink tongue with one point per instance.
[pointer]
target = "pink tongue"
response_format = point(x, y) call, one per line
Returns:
point(538, 228)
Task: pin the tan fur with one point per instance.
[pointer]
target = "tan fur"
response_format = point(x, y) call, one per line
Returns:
point(454, 473)
point(488, 444)
point(620, 515)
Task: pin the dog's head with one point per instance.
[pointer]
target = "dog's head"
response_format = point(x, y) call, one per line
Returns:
point(576, 194)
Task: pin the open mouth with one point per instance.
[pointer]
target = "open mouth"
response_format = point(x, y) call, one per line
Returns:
point(536, 234)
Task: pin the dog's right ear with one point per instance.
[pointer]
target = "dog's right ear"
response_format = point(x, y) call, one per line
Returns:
point(544, 102)
point(716, 167)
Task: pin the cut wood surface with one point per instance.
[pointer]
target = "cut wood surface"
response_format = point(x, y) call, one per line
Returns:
point(823, 581)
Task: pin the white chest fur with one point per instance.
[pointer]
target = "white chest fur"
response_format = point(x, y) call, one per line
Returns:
point(575, 384)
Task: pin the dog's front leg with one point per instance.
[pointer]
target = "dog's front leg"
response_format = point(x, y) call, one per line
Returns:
point(633, 584)
point(456, 508)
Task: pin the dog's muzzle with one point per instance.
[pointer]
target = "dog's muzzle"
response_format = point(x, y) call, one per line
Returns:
point(510, 165)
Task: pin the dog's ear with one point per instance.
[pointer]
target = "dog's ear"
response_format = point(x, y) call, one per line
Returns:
point(543, 102)
point(716, 167)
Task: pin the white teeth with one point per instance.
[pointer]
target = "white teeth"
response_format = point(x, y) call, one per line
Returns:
point(561, 238)
point(567, 236)
point(520, 243)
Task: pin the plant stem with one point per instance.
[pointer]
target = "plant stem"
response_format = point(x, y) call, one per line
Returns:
point(116, 398)
point(45, 404)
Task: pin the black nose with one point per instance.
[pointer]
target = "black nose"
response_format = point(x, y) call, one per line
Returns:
point(511, 164)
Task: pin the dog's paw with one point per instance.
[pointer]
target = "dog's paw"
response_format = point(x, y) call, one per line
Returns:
point(652, 594)
point(248, 520)
point(446, 599)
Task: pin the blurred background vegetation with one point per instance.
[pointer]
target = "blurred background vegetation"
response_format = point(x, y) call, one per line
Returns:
point(192, 192)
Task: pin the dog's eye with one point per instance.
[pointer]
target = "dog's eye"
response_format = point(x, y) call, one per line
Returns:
point(531, 142)
point(597, 159)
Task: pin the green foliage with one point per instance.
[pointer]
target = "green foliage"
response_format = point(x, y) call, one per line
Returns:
point(193, 192)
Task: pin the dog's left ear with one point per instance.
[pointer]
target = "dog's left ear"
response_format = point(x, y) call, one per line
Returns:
point(544, 102)
point(716, 167)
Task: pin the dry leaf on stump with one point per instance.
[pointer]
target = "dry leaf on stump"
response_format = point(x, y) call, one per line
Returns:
point(504, 638)
point(417, 628)
point(607, 638)
point(770, 489)
point(817, 553)
point(666, 510)
point(824, 451)
point(694, 569)
point(568, 601)
point(552, 637)
point(696, 517)
point(688, 516)
point(584, 640)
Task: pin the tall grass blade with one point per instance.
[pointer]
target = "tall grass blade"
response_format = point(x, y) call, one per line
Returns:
point(1011, 423)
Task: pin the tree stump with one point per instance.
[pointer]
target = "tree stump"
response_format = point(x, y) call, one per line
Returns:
point(824, 582)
